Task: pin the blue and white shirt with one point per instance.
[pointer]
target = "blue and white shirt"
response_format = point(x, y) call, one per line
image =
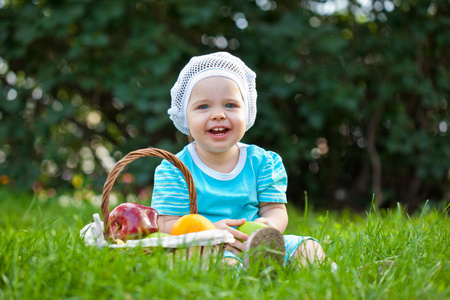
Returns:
point(259, 176)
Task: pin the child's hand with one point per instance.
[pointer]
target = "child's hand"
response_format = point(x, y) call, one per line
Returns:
point(226, 224)
point(267, 222)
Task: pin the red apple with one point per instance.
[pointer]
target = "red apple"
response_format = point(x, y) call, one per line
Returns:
point(132, 220)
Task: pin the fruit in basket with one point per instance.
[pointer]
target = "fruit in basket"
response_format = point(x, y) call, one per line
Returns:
point(158, 234)
point(191, 223)
point(132, 220)
point(250, 227)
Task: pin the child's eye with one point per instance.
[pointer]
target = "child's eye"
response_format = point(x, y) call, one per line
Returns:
point(203, 106)
point(230, 105)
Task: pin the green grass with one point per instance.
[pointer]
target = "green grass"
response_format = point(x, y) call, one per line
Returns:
point(42, 257)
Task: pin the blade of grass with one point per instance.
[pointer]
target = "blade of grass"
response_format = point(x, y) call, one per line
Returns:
point(32, 203)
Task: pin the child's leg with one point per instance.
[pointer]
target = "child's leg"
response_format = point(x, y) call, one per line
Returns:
point(309, 252)
point(303, 249)
point(232, 259)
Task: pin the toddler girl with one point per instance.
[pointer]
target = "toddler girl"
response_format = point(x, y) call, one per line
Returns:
point(214, 103)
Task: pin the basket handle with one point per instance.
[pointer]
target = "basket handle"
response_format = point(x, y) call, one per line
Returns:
point(110, 180)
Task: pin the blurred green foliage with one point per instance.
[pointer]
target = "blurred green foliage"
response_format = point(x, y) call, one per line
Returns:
point(354, 97)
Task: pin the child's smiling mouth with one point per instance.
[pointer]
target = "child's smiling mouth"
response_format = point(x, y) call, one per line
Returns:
point(218, 131)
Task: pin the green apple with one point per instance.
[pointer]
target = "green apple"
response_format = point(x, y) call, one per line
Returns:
point(157, 234)
point(249, 227)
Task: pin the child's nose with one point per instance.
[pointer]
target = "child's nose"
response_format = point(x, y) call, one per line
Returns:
point(218, 115)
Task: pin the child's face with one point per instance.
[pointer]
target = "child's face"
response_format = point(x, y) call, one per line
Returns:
point(216, 114)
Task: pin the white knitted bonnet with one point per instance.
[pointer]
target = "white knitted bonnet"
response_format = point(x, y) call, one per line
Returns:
point(216, 64)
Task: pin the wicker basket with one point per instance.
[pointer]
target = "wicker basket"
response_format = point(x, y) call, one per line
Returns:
point(216, 245)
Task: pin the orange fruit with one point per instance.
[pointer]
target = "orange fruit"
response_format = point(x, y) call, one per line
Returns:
point(191, 223)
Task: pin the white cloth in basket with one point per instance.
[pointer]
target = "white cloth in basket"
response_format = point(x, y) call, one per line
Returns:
point(93, 233)
point(93, 236)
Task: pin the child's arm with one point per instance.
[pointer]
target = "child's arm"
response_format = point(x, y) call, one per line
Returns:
point(165, 222)
point(273, 215)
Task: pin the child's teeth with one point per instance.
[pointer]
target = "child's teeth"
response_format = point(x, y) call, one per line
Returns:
point(219, 130)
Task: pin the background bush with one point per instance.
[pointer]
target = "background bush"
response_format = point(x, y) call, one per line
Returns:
point(354, 97)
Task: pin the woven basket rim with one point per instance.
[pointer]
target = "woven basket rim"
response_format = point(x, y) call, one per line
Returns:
point(133, 155)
